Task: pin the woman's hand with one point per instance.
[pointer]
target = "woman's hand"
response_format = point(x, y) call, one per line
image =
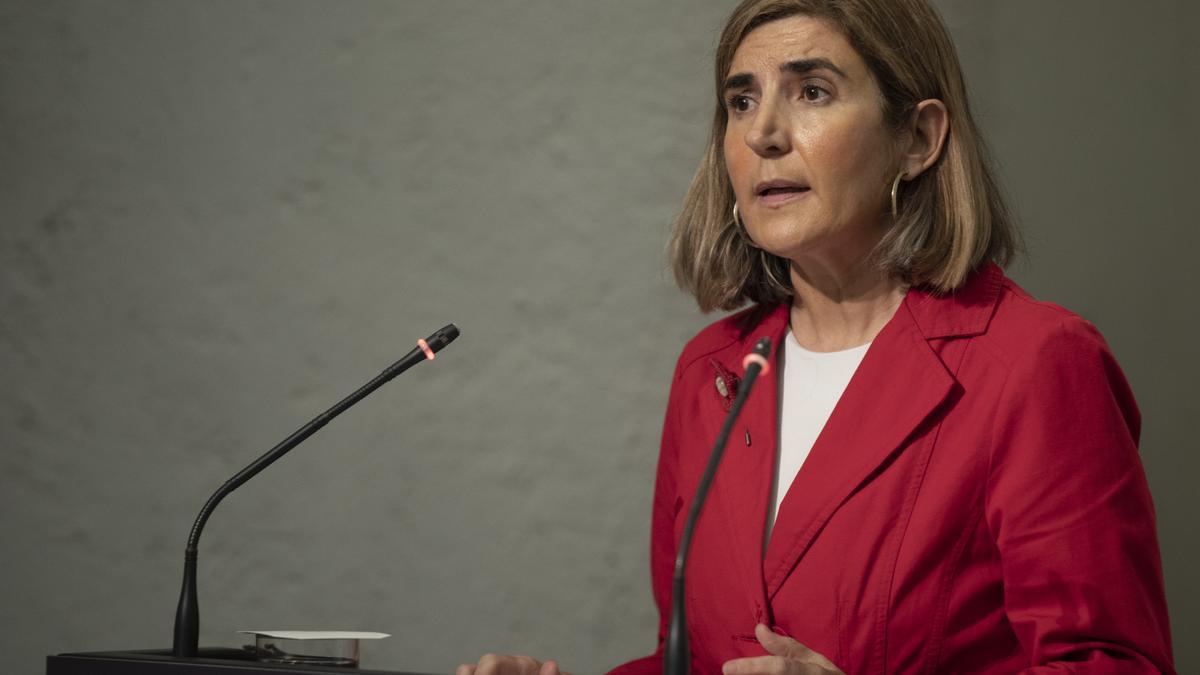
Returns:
point(787, 657)
point(503, 664)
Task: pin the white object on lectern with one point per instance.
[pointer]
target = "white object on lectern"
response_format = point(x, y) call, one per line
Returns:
point(317, 634)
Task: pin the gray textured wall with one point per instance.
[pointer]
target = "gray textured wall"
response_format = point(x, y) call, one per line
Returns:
point(220, 217)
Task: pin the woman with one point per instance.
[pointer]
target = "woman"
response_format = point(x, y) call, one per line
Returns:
point(946, 478)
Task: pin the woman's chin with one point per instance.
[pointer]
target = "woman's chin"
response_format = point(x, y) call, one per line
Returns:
point(795, 248)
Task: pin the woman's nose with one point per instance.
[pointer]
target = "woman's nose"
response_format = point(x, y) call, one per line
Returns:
point(768, 136)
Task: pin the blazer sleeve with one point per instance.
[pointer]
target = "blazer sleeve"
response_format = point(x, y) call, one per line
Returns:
point(667, 502)
point(1070, 511)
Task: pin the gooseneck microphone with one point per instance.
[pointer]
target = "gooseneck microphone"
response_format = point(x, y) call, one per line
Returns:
point(187, 615)
point(678, 657)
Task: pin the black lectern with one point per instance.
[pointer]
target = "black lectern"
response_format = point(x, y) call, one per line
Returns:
point(212, 661)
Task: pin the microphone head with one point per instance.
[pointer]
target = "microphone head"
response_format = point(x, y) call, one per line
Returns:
point(759, 356)
point(442, 337)
point(763, 347)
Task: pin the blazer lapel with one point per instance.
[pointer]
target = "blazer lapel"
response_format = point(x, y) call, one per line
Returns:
point(898, 384)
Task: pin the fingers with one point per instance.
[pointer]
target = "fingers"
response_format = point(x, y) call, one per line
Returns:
point(775, 665)
point(499, 664)
point(782, 645)
point(761, 665)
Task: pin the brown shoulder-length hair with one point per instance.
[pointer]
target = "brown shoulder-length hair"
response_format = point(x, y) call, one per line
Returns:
point(951, 218)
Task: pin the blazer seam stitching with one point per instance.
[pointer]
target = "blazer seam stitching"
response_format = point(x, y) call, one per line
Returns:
point(942, 610)
point(909, 506)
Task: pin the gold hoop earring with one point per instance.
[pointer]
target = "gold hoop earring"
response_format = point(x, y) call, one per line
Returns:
point(741, 228)
point(895, 187)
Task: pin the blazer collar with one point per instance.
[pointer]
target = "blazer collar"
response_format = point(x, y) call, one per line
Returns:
point(962, 313)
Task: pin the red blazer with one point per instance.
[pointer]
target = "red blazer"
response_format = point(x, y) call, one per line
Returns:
point(975, 503)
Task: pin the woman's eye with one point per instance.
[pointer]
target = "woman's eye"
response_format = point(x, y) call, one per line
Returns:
point(739, 103)
point(813, 93)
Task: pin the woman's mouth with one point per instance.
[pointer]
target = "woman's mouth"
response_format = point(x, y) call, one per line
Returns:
point(776, 193)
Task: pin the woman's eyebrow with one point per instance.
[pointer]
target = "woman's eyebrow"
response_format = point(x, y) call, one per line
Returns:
point(804, 66)
point(739, 81)
point(797, 67)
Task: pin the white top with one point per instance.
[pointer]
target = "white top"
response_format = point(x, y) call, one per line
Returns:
point(812, 383)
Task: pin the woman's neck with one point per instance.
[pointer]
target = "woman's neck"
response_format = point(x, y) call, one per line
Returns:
point(840, 307)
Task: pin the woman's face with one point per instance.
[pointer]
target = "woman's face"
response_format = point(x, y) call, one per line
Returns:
point(808, 155)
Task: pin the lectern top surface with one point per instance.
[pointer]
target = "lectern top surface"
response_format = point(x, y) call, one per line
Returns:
point(212, 661)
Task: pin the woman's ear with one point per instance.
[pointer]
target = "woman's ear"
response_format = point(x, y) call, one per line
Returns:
point(926, 137)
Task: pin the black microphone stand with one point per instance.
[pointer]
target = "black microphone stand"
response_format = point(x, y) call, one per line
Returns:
point(187, 614)
point(677, 656)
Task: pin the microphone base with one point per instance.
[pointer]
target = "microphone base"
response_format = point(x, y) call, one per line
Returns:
point(209, 661)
